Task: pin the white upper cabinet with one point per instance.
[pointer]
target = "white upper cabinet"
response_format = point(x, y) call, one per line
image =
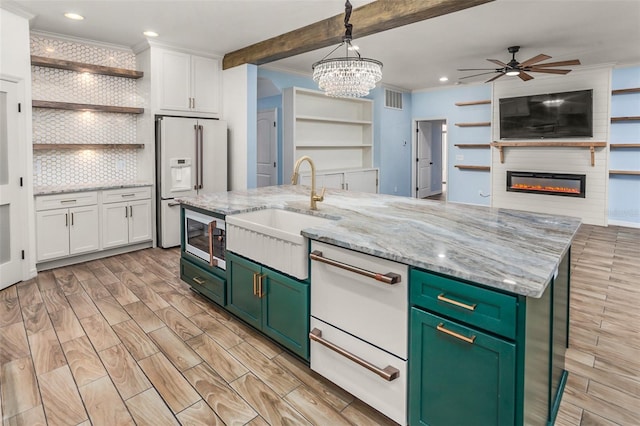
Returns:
point(189, 82)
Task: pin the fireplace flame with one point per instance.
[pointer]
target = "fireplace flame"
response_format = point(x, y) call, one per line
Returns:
point(545, 188)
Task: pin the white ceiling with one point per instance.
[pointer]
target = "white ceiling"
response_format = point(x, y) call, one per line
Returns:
point(414, 56)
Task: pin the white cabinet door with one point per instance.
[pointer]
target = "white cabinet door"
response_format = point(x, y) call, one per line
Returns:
point(84, 229)
point(333, 180)
point(115, 225)
point(139, 221)
point(52, 230)
point(205, 84)
point(175, 81)
point(362, 181)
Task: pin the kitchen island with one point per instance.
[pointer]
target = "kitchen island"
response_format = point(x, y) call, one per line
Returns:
point(488, 295)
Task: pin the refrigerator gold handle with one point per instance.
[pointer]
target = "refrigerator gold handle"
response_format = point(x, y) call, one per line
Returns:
point(201, 168)
point(195, 130)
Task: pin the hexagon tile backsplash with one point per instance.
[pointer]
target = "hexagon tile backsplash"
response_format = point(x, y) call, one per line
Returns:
point(55, 126)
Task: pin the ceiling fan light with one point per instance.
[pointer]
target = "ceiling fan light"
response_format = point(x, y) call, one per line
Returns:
point(513, 73)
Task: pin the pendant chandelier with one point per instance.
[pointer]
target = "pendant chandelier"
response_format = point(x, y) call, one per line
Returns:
point(348, 76)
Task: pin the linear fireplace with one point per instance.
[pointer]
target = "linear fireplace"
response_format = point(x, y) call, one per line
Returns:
point(563, 184)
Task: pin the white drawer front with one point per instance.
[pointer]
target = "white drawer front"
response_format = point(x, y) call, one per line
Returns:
point(125, 194)
point(374, 311)
point(388, 397)
point(73, 199)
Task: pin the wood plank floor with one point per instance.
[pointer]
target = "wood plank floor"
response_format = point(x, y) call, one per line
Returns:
point(123, 341)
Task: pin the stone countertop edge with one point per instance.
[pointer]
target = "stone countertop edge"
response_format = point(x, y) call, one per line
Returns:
point(63, 189)
point(511, 250)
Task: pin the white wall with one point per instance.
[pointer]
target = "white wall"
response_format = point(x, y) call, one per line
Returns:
point(593, 208)
point(240, 111)
point(15, 66)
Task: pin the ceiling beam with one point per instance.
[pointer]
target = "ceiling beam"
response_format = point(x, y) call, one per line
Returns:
point(369, 19)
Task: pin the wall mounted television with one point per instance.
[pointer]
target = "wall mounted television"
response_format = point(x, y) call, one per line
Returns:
point(550, 115)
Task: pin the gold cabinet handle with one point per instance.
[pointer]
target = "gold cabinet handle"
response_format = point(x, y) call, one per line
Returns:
point(442, 298)
point(389, 278)
point(388, 373)
point(255, 283)
point(198, 280)
point(260, 285)
point(440, 327)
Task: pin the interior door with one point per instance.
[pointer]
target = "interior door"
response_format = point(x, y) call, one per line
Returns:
point(267, 148)
point(11, 224)
point(423, 160)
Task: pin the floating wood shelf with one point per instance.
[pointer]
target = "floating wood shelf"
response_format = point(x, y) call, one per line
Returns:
point(548, 144)
point(480, 124)
point(86, 107)
point(50, 146)
point(624, 145)
point(624, 91)
point(469, 103)
point(472, 145)
point(617, 119)
point(624, 172)
point(41, 61)
point(480, 168)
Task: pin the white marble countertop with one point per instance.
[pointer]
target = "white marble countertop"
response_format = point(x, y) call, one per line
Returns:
point(63, 189)
point(515, 251)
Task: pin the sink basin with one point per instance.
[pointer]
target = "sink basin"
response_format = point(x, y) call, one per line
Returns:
point(272, 237)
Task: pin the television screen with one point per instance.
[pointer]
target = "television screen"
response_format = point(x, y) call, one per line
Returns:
point(552, 115)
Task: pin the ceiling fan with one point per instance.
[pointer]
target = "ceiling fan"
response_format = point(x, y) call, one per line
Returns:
point(522, 69)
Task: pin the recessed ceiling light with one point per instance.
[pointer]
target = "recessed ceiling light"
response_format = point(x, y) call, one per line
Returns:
point(150, 33)
point(74, 16)
point(443, 79)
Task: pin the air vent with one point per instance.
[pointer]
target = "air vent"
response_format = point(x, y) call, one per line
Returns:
point(392, 99)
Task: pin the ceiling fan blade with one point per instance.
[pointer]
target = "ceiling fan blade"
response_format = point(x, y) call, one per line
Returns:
point(494, 78)
point(497, 62)
point(475, 75)
point(548, 71)
point(476, 69)
point(559, 63)
point(534, 60)
point(524, 76)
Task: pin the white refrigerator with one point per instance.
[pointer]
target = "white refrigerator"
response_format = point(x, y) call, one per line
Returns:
point(191, 159)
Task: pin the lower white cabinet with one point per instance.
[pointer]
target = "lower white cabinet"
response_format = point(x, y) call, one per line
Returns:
point(76, 223)
point(67, 231)
point(126, 222)
point(362, 180)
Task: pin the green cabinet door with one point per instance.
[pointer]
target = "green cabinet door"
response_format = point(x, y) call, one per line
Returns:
point(285, 312)
point(455, 382)
point(241, 297)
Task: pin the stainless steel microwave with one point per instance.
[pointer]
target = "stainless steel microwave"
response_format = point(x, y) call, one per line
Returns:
point(205, 237)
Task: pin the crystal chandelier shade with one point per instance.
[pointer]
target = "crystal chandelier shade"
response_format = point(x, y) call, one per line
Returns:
point(347, 77)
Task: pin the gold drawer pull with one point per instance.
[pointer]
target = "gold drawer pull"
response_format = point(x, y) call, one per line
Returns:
point(388, 373)
point(389, 278)
point(255, 283)
point(455, 302)
point(198, 280)
point(440, 327)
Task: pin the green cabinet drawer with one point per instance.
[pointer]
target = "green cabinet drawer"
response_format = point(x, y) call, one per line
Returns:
point(204, 281)
point(459, 375)
point(485, 309)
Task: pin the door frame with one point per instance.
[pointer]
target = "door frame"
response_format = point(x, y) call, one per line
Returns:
point(414, 152)
point(274, 131)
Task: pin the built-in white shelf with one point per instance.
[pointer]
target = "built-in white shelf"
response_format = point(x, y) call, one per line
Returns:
point(333, 120)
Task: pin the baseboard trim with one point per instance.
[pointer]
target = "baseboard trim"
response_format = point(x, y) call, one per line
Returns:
point(72, 260)
point(624, 223)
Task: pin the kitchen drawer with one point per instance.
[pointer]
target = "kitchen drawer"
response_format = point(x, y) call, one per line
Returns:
point(125, 194)
point(361, 305)
point(479, 307)
point(74, 199)
point(204, 281)
point(388, 397)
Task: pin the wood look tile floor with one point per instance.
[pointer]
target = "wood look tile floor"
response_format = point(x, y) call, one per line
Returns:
point(123, 340)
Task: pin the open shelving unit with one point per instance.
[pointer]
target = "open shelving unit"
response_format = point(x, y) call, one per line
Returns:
point(472, 145)
point(469, 167)
point(619, 119)
point(470, 103)
point(80, 146)
point(625, 172)
point(624, 146)
point(86, 107)
point(478, 124)
point(42, 61)
point(625, 91)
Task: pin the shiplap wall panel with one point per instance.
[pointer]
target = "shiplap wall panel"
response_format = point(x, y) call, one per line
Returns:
point(593, 208)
